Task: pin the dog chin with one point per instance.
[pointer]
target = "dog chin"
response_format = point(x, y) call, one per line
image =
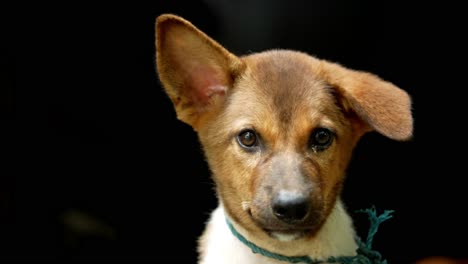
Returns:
point(286, 236)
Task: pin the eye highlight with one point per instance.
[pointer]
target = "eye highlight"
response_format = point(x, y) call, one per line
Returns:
point(321, 139)
point(247, 139)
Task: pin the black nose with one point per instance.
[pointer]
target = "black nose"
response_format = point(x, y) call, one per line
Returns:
point(290, 207)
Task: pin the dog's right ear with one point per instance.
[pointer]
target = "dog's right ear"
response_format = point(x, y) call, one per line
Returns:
point(381, 105)
point(195, 70)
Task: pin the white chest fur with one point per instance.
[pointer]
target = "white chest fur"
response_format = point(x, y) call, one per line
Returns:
point(218, 245)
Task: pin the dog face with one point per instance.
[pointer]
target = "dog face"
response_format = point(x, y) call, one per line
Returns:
point(277, 128)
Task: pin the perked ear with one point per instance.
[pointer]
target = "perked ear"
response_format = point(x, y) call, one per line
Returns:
point(381, 105)
point(194, 69)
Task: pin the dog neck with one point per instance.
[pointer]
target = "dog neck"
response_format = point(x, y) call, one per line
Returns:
point(335, 238)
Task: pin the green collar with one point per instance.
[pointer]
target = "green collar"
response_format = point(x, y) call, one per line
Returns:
point(365, 255)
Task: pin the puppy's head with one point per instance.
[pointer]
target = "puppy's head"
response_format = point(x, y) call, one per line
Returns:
point(277, 127)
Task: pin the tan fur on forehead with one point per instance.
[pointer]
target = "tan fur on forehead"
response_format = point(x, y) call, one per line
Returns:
point(280, 93)
point(286, 73)
point(288, 78)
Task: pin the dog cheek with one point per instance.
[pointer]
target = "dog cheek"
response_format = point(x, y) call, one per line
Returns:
point(260, 208)
point(335, 171)
point(327, 172)
point(234, 175)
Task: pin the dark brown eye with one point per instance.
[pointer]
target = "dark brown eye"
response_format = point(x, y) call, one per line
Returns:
point(247, 139)
point(321, 139)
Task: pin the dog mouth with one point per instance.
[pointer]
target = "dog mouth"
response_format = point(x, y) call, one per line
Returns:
point(281, 231)
point(288, 234)
point(283, 234)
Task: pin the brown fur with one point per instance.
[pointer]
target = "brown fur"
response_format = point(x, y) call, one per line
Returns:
point(284, 96)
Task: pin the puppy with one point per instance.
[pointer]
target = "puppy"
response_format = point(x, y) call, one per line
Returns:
point(278, 129)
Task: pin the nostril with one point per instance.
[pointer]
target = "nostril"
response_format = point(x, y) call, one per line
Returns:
point(279, 210)
point(290, 207)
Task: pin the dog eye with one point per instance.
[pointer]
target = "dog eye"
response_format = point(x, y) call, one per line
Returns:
point(247, 139)
point(321, 139)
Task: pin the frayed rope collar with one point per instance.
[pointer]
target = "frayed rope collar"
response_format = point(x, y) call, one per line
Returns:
point(365, 254)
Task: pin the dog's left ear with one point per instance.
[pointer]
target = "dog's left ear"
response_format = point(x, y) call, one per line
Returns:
point(195, 70)
point(381, 105)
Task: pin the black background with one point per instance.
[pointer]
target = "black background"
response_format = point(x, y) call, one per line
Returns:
point(87, 127)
